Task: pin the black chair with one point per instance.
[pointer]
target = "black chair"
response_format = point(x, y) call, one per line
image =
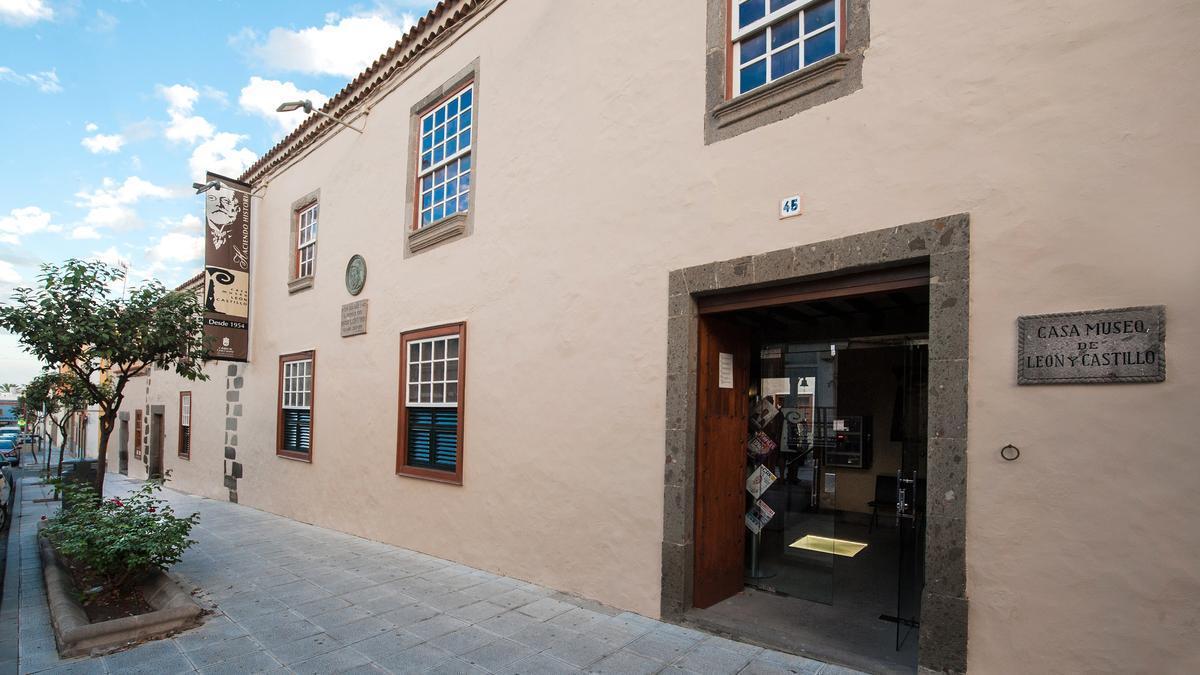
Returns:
point(885, 496)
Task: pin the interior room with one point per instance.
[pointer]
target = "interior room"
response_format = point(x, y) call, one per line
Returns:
point(834, 463)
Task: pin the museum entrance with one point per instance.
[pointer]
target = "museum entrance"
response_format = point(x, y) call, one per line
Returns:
point(810, 469)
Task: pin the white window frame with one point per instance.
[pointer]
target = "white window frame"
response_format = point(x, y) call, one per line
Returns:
point(307, 246)
point(738, 35)
point(297, 384)
point(459, 153)
point(186, 417)
point(411, 363)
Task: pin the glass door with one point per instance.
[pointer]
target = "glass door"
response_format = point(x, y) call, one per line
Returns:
point(796, 548)
point(910, 492)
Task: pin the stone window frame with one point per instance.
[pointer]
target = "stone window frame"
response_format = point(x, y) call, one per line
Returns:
point(461, 224)
point(297, 283)
point(727, 116)
point(943, 244)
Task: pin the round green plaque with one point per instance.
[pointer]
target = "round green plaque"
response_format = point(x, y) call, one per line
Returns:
point(356, 274)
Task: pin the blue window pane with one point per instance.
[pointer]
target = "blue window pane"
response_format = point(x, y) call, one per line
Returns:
point(438, 211)
point(439, 135)
point(439, 176)
point(817, 16)
point(426, 160)
point(451, 146)
point(777, 5)
point(452, 126)
point(465, 119)
point(750, 11)
point(451, 169)
point(426, 200)
point(466, 99)
point(427, 141)
point(438, 154)
point(464, 182)
point(462, 202)
point(785, 61)
point(451, 187)
point(464, 164)
point(754, 47)
point(439, 194)
point(451, 207)
point(785, 31)
point(820, 46)
point(427, 125)
point(452, 107)
point(753, 75)
point(426, 183)
point(464, 139)
point(440, 116)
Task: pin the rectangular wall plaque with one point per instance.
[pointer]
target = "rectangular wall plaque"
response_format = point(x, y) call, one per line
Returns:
point(1107, 345)
point(354, 318)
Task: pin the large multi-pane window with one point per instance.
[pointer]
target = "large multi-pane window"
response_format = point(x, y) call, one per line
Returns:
point(773, 38)
point(306, 241)
point(185, 424)
point(430, 443)
point(444, 175)
point(296, 372)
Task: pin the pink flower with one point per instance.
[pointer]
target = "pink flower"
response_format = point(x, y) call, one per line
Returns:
point(118, 502)
point(152, 509)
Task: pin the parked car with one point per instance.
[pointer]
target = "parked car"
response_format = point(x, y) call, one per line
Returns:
point(9, 452)
point(13, 434)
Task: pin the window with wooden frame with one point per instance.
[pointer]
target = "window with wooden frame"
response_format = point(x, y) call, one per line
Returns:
point(185, 424)
point(774, 38)
point(137, 433)
point(297, 373)
point(444, 158)
point(306, 240)
point(432, 368)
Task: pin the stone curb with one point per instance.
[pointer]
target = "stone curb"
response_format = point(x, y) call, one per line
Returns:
point(76, 636)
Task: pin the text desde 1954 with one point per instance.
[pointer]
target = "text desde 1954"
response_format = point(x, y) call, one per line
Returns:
point(1109, 345)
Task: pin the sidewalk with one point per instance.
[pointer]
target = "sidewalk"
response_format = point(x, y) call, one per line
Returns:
point(290, 597)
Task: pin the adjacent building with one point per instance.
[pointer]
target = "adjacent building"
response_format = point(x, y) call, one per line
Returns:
point(733, 313)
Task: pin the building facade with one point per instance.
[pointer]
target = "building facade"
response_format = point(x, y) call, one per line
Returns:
point(598, 239)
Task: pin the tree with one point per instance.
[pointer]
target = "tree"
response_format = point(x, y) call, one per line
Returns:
point(59, 393)
point(73, 322)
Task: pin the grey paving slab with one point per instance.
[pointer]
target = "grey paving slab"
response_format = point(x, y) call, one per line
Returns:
point(795, 664)
point(217, 652)
point(508, 623)
point(464, 639)
point(384, 648)
point(539, 664)
point(304, 648)
point(709, 659)
point(331, 662)
point(661, 646)
point(361, 630)
point(498, 654)
point(457, 667)
point(255, 662)
point(581, 651)
point(435, 626)
point(415, 659)
point(625, 663)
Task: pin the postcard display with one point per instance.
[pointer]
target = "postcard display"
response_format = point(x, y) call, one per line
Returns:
point(759, 446)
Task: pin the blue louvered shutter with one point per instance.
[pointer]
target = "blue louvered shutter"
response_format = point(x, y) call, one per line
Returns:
point(433, 438)
point(297, 429)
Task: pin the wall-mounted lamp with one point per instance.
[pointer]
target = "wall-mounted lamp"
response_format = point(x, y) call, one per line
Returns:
point(307, 106)
point(201, 188)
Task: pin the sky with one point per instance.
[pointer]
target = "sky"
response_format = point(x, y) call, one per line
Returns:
point(110, 109)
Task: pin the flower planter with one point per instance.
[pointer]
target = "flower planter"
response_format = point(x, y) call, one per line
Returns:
point(173, 610)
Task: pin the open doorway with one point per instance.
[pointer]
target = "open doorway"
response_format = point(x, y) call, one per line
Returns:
point(810, 471)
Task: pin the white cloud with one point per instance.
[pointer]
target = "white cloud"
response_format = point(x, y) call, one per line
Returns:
point(9, 274)
point(222, 155)
point(90, 127)
point(111, 256)
point(103, 23)
point(176, 247)
point(184, 126)
point(45, 81)
point(110, 206)
point(261, 97)
point(188, 223)
point(103, 143)
point(23, 221)
point(85, 232)
point(342, 47)
point(24, 12)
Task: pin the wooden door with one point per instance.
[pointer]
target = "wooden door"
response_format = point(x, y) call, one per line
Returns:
point(721, 419)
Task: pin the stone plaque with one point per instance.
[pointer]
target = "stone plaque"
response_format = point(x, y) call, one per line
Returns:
point(354, 318)
point(1107, 345)
point(356, 274)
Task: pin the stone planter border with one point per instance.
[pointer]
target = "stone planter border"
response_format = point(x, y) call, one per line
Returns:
point(173, 606)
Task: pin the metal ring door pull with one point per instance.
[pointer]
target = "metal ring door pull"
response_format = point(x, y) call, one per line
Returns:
point(1010, 452)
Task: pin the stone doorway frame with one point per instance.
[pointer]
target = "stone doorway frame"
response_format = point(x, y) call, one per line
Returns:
point(942, 243)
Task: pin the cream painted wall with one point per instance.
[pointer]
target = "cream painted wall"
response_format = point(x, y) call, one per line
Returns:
point(1066, 130)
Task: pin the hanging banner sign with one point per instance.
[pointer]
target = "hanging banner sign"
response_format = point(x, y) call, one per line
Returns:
point(226, 292)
